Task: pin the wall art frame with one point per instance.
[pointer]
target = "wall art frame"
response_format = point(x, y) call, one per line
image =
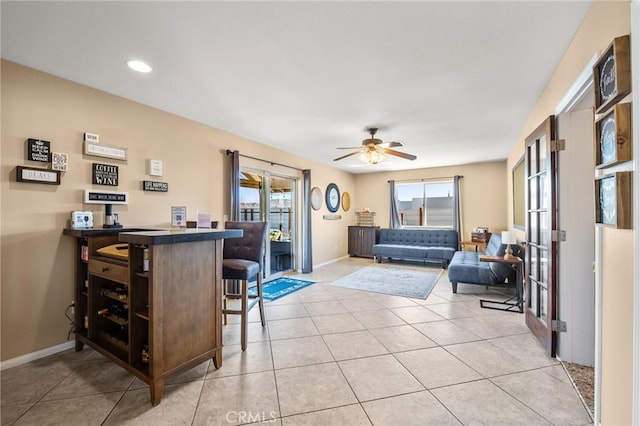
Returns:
point(34, 175)
point(612, 137)
point(612, 74)
point(614, 200)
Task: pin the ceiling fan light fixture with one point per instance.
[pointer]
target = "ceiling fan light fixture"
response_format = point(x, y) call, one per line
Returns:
point(371, 157)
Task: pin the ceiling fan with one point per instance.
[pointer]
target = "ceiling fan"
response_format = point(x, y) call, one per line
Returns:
point(372, 150)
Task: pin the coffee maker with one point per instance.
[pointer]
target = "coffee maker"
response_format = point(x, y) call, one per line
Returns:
point(110, 218)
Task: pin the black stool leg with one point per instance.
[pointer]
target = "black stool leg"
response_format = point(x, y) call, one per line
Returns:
point(244, 315)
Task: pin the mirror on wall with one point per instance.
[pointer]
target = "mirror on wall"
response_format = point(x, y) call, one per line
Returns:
point(518, 194)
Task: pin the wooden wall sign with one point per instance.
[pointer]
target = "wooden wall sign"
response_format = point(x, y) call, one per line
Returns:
point(614, 200)
point(105, 174)
point(38, 150)
point(613, 137)
point(153, 186)
point(612, 74)
point(100, 150)
point(31, 175)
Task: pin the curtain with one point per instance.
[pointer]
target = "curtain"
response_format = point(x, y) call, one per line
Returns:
point(235, 185)
point(457, 206)
point(394, 215)
point(307, 257)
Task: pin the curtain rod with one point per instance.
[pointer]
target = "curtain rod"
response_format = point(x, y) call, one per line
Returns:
point(426, 179)
point(273, 163)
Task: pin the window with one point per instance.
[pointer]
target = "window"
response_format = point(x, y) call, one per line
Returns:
point(426, 204)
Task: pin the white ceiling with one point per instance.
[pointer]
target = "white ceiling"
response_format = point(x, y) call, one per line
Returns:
point(454, 81)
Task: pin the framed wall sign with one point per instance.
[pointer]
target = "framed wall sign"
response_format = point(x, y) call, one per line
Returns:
point(105, 174)
point(612, 74)
point(613, 136)
point(59, 161)
point(153, 186)
point(31, 175)
point(38, 150)
point(155, 167)
point(105, 197)
point(614, 200)
point(100, 150)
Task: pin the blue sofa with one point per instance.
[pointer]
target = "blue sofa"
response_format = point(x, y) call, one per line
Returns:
point(429, 245)
point(466, 267)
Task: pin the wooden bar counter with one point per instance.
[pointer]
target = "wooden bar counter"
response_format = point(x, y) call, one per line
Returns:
point(156, 312)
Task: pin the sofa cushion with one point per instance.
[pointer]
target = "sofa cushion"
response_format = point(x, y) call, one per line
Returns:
point(420, 237)
point(465, 267)
point(439, 253)
point(399, 251)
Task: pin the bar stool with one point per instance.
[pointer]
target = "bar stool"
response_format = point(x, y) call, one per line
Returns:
point(242, 259)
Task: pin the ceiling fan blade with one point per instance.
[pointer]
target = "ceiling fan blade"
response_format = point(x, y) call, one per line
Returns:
point(351, 154)
point(391, 144)
point(349, 147)
point(399, 154)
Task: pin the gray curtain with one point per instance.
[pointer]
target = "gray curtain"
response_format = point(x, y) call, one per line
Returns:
point(457, 206)
point(235, 185)
point(394, 215)
point(307, 254)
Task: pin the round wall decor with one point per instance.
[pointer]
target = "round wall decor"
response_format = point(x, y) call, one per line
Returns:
point(316, 198)
point(332, 197)
point(346, 201)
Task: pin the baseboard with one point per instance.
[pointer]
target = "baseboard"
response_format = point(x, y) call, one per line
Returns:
point(23, 359)
point(331, 261)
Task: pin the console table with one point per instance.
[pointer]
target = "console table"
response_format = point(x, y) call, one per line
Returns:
point(507, 305)
point(157, 313)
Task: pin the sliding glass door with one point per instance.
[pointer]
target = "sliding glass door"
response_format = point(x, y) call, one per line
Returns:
point(271, 198)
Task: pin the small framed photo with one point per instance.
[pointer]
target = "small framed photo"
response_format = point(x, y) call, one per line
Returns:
point(59, 161)
point(179, 216)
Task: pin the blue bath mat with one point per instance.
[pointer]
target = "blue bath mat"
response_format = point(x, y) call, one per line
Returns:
point(280, 287)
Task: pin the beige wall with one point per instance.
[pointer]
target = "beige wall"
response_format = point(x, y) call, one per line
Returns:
point(604, 21)
point(37, 260)
point(483, 190)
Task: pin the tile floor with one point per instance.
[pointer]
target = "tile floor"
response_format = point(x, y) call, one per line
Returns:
point(329, 356)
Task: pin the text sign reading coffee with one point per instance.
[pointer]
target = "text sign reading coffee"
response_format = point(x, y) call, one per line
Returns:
point(105, 174)
point(38, 150)
point(150, 185)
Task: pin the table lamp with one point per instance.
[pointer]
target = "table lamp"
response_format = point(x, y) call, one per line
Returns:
point(508, 238)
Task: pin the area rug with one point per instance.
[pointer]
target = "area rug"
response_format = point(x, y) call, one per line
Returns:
point(280, 287)
point(415, 282)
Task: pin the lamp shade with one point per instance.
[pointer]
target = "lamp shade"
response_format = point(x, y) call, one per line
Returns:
point(508, 237)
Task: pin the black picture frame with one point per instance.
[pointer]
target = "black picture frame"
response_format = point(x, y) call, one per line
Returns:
point(332, 197)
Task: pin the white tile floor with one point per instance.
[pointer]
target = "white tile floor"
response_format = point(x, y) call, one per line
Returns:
point(328, 356)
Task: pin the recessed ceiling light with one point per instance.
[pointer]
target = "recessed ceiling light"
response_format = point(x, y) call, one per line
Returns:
point(139, 66)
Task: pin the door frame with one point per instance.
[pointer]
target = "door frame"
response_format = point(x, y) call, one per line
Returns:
point(635, 76)
point(583, 86)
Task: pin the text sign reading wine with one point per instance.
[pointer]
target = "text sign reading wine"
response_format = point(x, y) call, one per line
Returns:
point(105, 197)
point(149, 185)
point(38, 150)
point(105, 174)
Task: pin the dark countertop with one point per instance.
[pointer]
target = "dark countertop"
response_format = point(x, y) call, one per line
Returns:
point(97, 232)
point(177, 236)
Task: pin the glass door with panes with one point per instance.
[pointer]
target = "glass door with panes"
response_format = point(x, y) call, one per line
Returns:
point(540, 259)
point(271, 198)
